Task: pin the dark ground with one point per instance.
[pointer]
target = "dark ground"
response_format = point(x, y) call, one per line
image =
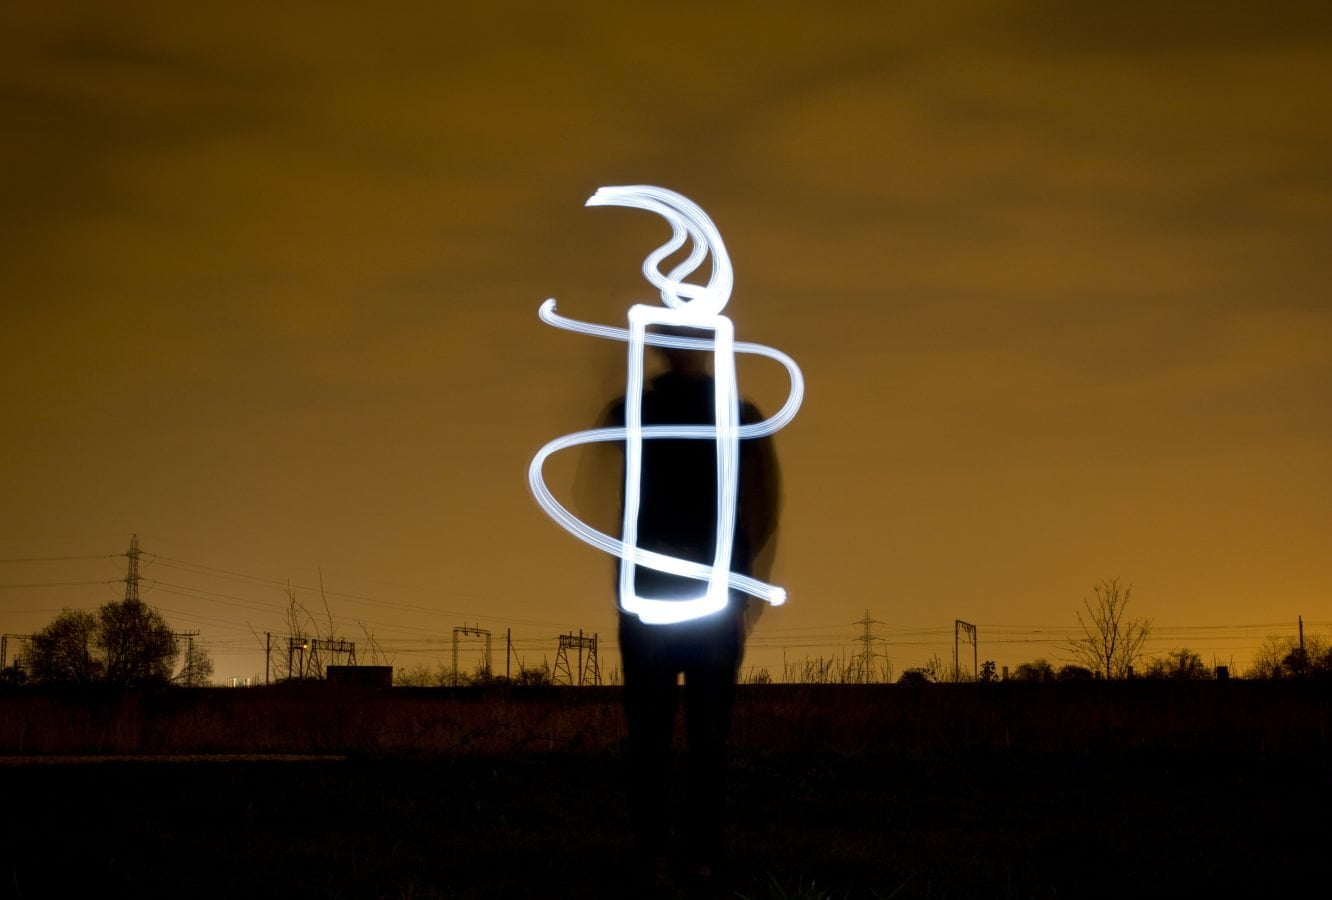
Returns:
point(980, 823)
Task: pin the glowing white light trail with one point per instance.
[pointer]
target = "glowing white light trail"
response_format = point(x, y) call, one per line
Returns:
point(693, 306)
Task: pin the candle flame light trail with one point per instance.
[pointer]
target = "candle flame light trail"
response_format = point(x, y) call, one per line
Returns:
point(686, 305)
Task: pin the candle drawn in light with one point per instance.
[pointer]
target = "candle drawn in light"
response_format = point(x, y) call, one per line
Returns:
point(691, 305)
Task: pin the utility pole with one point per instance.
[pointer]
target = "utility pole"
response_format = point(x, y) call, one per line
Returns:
point(508, 650)
point(188, 669)
point(1301, 618)
point(593, 666)
point(960, 628)
point(268, 652)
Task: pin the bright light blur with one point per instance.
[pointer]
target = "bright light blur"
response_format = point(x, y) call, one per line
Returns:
point(686, 305)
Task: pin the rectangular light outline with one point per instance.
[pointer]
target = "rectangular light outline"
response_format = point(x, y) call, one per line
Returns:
point(657, 610)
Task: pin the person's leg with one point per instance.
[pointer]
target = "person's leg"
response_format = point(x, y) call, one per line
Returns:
point(650, 699)
point(709, 698)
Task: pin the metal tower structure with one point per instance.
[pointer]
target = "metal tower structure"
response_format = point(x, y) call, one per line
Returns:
point(187, 673)
point(862, 664)
point(298, 647)
point(4, 648)
point(132, 575)
point(961, 628)
point(330, 652)
point(477, 632)
point(309, 657)
point(589, 669)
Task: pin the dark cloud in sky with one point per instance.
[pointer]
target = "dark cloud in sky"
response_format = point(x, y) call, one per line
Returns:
point(1057, 274)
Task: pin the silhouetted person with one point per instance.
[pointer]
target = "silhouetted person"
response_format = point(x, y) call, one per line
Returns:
point(677, 516)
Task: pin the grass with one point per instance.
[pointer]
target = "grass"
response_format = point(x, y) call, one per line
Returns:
point(835, 793)
point(842, 719)
point(993, 824)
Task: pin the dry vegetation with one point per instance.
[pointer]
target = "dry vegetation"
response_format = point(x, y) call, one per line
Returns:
point(1079, 789)
point(845, 719)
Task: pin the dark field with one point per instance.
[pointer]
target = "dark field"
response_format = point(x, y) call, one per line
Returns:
point(1065, 790)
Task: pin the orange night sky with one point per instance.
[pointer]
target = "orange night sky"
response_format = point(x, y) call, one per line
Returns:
point(1057, 275)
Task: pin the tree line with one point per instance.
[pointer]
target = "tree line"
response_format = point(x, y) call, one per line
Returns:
point(1111, 645)
point(125, 643)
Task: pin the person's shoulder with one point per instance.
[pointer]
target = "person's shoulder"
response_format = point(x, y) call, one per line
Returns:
point(614, 413)
point(749, 413)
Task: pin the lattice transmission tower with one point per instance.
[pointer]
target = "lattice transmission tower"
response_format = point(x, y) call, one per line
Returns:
point(132, 575)
point(589, 670)
point(862, 664)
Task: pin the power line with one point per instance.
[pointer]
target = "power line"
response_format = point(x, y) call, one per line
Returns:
point(1231, 638)
point(266, 607)
point(46, 584)
point(32, 559)
point(862, 664)
point(256, 580)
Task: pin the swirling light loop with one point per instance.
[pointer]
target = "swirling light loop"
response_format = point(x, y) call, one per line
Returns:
point(696, 306)
point(685, 218)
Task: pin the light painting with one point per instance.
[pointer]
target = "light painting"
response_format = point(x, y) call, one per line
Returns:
point(695, 306)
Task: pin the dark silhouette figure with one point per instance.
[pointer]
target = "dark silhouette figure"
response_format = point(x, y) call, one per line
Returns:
point(677, 515)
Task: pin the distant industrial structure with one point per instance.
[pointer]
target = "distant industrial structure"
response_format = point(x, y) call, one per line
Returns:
point(588, 669)
point(307, 657)
point(477, 632)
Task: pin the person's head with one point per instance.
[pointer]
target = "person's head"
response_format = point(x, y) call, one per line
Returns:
point(682, 361)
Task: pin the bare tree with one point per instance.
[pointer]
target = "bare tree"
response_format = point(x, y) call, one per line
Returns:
point(297, 617)
point(327, 611)
point(298, 620)
point(197, 669)
point(1267, 661)
point(1111, 642)
point(375, 652)
point(945, 672)
point(1283, 657)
